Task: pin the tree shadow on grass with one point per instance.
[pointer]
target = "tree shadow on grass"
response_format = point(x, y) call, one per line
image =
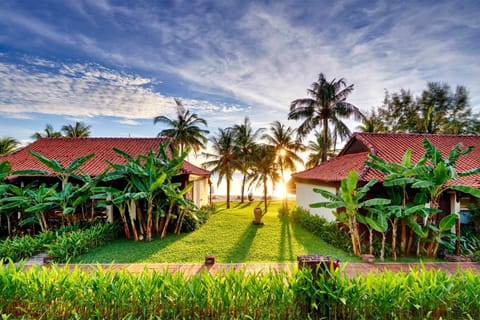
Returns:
point(243, 205)
point(240, 250)
point(314, 244)
point(285, 246)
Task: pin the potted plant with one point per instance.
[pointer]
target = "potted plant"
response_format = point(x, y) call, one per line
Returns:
point(257, 212)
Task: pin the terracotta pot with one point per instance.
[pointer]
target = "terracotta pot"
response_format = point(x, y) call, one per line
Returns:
point(258, 214)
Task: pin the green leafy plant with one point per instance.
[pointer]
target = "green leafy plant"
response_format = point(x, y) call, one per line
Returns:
point(330, 232)
point(351, 199)
point(149, 177)
point(72, 244)
point(55, 292)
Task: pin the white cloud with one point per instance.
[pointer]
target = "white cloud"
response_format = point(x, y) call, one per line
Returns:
point(14, 115)
point(83, 91)
point(261, 56)
point(129, 122)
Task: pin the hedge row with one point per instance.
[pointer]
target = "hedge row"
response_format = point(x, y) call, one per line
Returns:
point(57, 293)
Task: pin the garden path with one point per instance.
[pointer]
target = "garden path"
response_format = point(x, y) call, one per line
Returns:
point(351, 269)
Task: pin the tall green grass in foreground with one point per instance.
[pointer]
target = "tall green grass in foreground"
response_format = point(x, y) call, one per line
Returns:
point(229, 235)
point(57, 293)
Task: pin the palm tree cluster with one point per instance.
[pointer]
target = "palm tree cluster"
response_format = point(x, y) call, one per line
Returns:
point(8, 145)
point(185, 130)
point(325, 107)
point(260, 156)
point(77, 130)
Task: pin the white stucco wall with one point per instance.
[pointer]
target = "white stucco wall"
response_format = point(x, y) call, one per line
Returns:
point(305, 196)
point(200, 192)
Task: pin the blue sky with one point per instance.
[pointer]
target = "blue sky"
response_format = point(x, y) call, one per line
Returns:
point(117, 64)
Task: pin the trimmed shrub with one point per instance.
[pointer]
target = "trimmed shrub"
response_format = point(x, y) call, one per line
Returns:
point(74, 243)
point(330, 232)
point(19, 248)
point(198, 218)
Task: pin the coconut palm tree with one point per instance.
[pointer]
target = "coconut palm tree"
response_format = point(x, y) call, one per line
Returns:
point(372, 123)
point(265, 168)
point(245, 141)
point(184, 130)
point(48, 132)
point(8, 145)
point(285, 148)
point(327, 105)
point(78, 130)
point(317, 149)
point(224, 159)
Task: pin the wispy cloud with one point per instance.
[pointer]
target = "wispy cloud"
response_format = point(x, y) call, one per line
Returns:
point(84, 90)
point(240, 58)
point(129, 122)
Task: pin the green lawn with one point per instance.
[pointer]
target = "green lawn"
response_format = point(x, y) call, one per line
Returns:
point(229, 235)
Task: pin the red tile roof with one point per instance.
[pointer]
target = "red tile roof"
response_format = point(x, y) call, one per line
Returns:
point(334, 169)
point(391, 148)
point(65, 150)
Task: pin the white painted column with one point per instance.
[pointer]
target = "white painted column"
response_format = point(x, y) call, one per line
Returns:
point(109, 210)
point(454, 207)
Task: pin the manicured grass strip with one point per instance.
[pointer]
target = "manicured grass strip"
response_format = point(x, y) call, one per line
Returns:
point(229, 235)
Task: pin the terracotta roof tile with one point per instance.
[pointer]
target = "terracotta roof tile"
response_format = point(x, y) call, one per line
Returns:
point(391, 148)
point(65, 150)
point(335, 169)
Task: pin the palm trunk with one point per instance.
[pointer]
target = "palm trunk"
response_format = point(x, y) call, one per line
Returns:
point(162, 222)
point(431, 252)
point(132, 208)
point(265, 191)
point(140, 220)
point(357, 237)
point(9, 225)
point(126, 230)
point(244, 181)
point(394, 239)
point(403, 227)
point(382, 251)
point(411, 238)
point(458, 234)
point(325, 139)
point(40, 221)
point(167, 221)
point(178, 228)
point(157, 225)
point(228, 193)
point(370, 248)
point(149, 220)
point(92, 210)
point(403, 237)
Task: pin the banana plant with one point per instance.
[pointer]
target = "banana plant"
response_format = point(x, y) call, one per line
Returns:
point(436, 177)
point(398, 176)
point(122, 199)
point(148, 175)
point(31, 199)
point(351, 199)
point(64, 173)
point(86, 192)
point(174, 196)
point(376, 220)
